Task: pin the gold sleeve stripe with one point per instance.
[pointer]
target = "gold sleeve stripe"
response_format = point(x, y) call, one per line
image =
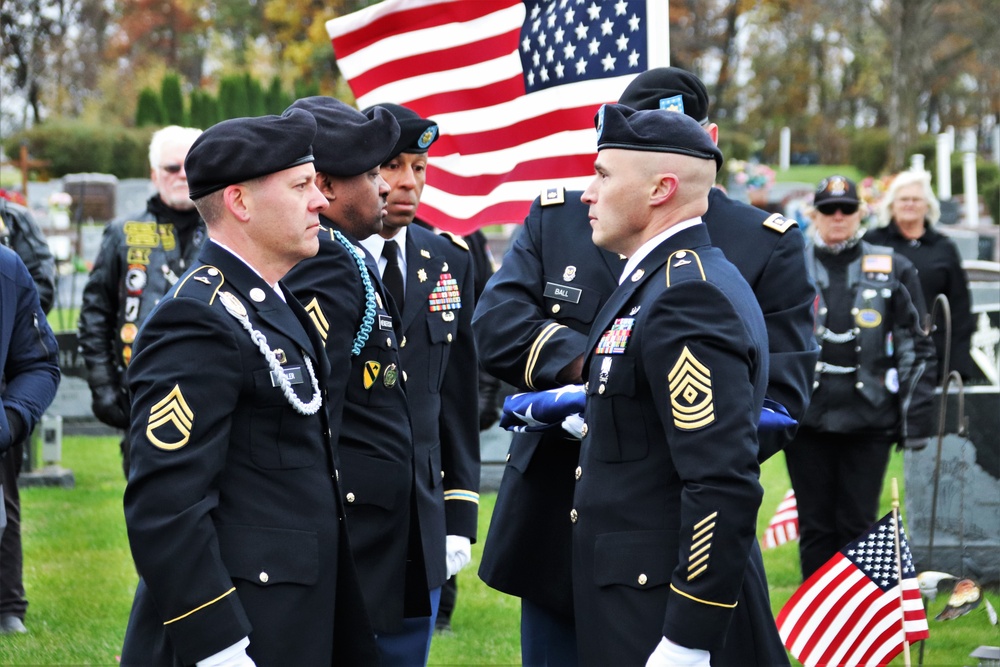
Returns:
point(536, 348)
point(462, 494)
point(697, 573)
point(697, 552)
point(708, 518)
point(696, 562)
point(707, 540)
point(207, 604)
point(699, 532)
point(699, 600)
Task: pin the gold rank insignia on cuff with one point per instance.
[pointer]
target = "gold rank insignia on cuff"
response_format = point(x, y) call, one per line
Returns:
point(170, 421)
point(691, 398)
point(701, 546)
point(318, 318)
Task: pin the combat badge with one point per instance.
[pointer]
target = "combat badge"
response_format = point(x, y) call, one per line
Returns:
point(170, 421)
point(371, 373)
point(691, 392)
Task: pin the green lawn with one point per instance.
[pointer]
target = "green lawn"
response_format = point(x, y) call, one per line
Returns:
point(80, 579)
point(814, 173)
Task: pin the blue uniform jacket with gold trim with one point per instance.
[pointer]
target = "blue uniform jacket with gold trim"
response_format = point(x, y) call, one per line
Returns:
point(667, 491)
point(232, 506)
point(438, 357)
point(375, 444)
point(533, 320)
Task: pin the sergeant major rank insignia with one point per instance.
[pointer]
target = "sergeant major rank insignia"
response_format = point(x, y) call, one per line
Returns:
point(691, 400)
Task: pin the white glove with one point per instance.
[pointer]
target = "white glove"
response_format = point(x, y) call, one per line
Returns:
point(573, 424)
point(234, 656)
point(458, 553)
point(668, 653)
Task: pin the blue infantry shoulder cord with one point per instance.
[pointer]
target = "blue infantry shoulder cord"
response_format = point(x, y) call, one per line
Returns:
point(369, 319)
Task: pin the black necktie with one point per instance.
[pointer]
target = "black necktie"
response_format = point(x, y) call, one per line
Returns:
point(392, 277)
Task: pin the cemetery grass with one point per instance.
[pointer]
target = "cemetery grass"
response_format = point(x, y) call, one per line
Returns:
point(80, 579)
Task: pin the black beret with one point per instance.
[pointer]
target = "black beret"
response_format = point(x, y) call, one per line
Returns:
point(241, 149)
point(668, 88)
point(416, 134)
point(656, 131)
point(349, 142)
point(836, 190)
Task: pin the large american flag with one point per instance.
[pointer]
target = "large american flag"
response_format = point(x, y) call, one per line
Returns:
point(849, 612)
point(513, 86)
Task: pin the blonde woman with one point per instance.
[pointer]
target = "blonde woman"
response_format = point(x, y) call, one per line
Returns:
point(907, 215)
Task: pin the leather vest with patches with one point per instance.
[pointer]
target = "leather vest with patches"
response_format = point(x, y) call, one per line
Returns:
point(871, 311)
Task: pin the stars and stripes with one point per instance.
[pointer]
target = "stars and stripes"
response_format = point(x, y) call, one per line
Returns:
point(853, 610)
point(784, 525)
point(513, 85)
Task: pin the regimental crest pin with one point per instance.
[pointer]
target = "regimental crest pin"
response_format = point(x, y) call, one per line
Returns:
point(569, 273)
point(422, 275)
point(391, 376)
point(170, 421)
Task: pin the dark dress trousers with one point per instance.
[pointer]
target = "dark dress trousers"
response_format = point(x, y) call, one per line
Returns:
point(667, 489)
point(533, 320)
point(438, 357)
point(233, 506)
point(375, 447)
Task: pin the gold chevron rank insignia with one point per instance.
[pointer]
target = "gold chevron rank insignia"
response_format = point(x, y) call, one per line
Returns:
point(701, 546)
point(170, 421)
point(371, 373)
point(691, 393)
point(318, 318)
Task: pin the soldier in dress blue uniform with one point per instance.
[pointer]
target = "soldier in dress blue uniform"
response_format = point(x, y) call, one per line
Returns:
point(433, 290)
point(667, 489)
point(531, 325)
point(233, 507)
point(347, 302)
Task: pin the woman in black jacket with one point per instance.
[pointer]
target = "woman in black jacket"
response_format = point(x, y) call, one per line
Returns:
point(906, 217)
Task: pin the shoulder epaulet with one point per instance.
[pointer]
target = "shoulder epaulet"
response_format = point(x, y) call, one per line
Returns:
point(552, 196)
point(202, 283)
point(684, 265)
point(780, 223)
point(456, 239)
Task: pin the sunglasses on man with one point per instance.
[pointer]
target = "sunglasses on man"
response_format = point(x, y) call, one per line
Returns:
point(831, 209)
point(172, 168)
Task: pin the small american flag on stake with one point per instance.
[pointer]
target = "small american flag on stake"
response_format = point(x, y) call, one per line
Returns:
point(784, 525)
point(856, 610)
point(513, 85)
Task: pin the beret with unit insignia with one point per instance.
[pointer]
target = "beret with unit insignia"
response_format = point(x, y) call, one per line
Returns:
point(668, 88)
point(416, 134)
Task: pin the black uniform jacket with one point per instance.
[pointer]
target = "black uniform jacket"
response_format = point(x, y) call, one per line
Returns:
point(375, 445)
point(533, 320)
point(438, 357)
point(667, 490)
point(232, 507)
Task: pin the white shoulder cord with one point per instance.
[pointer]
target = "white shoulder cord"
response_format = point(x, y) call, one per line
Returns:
point(238, 310)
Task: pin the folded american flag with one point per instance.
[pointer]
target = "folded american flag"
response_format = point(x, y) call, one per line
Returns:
point(784, 525)
point(541, 410)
